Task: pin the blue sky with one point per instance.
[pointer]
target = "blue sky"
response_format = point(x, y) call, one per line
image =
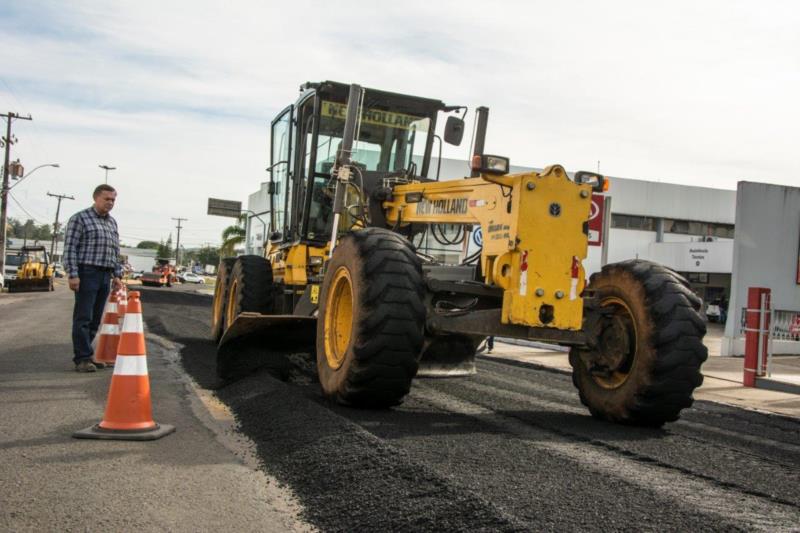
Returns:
point(178, 94)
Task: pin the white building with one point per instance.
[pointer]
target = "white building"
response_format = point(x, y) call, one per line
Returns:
point(687, 228)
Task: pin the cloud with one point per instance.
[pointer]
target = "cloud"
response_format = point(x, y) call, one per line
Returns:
point(178, 95)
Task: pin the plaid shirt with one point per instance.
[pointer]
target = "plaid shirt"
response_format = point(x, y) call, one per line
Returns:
point(91, 239)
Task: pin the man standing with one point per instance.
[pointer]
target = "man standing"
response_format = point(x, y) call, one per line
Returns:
point(91, 259)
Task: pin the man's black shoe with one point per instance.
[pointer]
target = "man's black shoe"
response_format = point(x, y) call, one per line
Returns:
point(85, 365)
point(98, 364)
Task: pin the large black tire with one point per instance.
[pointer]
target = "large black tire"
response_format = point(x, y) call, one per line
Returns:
point(249, 287)
point(220, 298)
point(371, 319)
point(653, 380)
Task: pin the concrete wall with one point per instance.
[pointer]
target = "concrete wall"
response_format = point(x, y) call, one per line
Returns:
point(765, 253)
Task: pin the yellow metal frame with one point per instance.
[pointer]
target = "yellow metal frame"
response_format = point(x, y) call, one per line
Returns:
point(291, 264)
point(534, 238)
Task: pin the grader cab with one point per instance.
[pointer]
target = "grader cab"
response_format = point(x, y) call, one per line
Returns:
point(349, 270)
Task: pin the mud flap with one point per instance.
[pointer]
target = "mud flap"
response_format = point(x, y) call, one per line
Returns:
point(256, 341)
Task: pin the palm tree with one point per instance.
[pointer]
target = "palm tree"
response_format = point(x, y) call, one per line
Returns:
point(233, 236)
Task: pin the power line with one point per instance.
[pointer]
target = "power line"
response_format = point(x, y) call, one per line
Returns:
point(23, 208)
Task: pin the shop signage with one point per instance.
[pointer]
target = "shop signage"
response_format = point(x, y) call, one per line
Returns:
point(596, 220)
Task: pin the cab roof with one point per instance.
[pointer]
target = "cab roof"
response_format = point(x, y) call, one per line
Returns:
point(341, 91)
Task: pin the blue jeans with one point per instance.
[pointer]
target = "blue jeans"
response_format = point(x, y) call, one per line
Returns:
point(90, 299)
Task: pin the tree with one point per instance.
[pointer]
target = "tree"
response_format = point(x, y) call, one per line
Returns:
point(165, 250)
point(232, 236)
point(208, 256)
point(148, 245)
point(29, 230)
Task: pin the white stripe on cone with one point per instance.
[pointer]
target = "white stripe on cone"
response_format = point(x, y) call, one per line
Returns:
point(110, 307)
point(109, 329)
point(130, 365)
point(132, 323)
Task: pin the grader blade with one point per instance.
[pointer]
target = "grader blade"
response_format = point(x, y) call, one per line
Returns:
point(29, 285)
point(256, 341)
point(447, 356)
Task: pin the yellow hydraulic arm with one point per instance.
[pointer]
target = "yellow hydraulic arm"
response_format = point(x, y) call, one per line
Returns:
point(534, 237)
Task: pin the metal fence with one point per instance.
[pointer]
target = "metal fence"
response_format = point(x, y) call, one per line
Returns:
point(784, 325)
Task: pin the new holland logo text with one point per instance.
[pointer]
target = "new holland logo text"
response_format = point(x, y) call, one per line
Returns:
point(447, 206)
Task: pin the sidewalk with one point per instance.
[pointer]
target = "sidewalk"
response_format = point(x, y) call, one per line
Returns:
point(722, 376)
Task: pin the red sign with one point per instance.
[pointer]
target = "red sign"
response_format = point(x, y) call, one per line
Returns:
point(596, 220)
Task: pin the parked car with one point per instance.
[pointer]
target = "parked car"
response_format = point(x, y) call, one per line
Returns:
point(190, 277)
point(13, 260)
point(58, 270)
point(136, 274)
point(713, 312)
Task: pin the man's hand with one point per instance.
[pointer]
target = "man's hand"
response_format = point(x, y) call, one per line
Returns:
point(74, 284)
point(117, 284)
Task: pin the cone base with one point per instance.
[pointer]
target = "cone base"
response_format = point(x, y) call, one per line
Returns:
point(96, 432)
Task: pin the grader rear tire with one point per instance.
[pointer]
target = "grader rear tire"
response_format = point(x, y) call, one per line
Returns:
point(371, 319)
point(650, 346)
point(220, 298)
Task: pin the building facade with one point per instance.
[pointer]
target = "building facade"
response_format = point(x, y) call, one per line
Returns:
point(687, 228)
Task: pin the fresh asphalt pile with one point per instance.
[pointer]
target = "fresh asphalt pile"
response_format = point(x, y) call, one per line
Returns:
point(508, 449)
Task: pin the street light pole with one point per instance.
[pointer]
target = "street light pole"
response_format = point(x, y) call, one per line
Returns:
point(107, 168)
point(54, 165)
point(8, 140)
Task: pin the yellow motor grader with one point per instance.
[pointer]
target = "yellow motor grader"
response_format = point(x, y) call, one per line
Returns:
point(34, 273)
point(348, 267)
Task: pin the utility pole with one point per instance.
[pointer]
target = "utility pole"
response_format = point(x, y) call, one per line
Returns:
point(8, 140)
point(55, 224)
point(107, 168)
point(178, 242)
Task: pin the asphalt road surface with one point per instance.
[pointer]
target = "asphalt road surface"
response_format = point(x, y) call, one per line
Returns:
point(510, 449)
point(192, 480)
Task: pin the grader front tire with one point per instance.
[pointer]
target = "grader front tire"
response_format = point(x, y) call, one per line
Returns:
point(371, 319)
point(220, 298)
point(650, 346)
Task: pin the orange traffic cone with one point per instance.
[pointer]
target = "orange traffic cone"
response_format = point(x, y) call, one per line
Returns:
point(128, 413)
point(108, 336)
point(122, 305)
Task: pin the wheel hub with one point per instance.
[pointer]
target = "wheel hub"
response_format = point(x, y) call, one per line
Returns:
point(611, 362)
point(338, 318)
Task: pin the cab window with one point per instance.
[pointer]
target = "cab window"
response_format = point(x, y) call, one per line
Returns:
point(280, 171)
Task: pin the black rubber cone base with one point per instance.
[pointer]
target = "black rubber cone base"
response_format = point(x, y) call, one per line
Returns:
point(96, 432)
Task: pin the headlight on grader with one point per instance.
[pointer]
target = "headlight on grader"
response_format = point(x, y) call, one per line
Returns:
point(598, 182)
point(490, 164)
